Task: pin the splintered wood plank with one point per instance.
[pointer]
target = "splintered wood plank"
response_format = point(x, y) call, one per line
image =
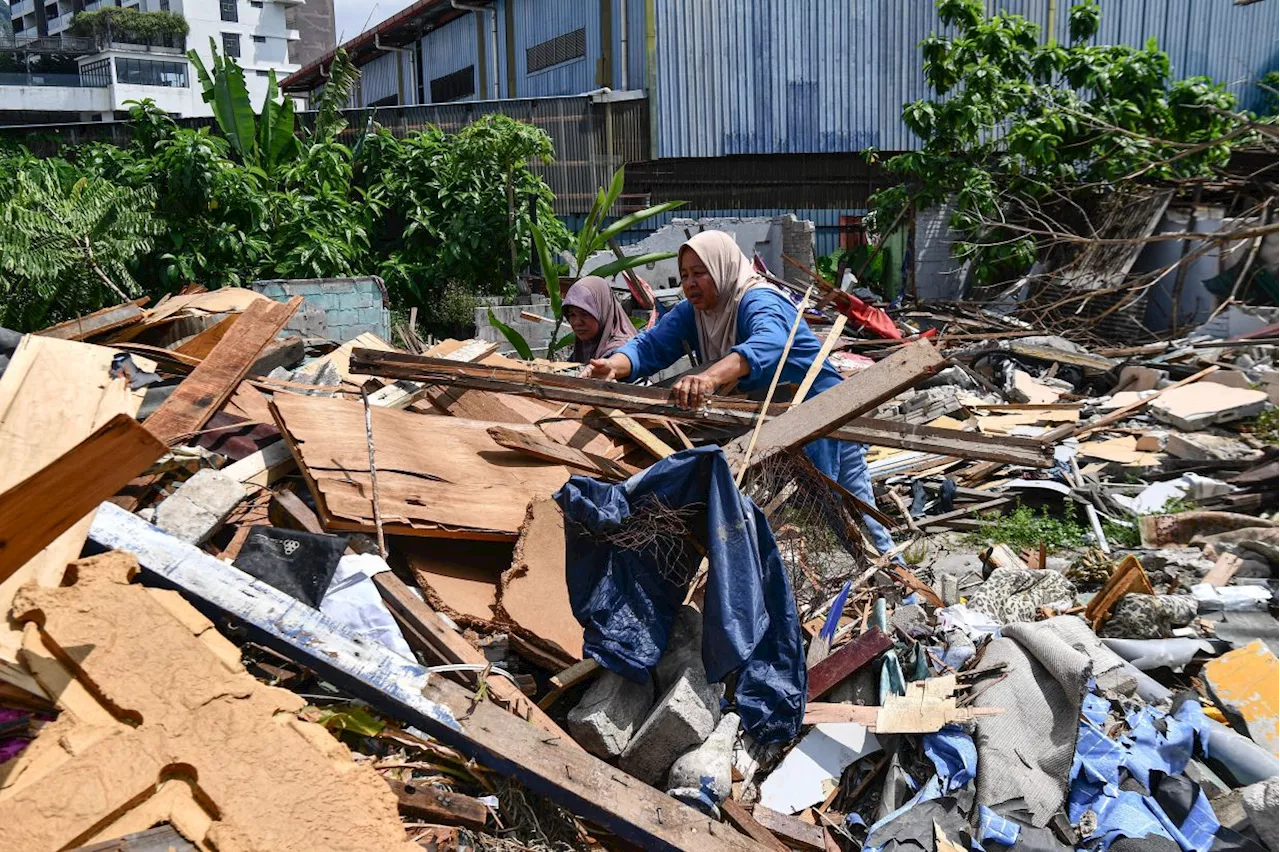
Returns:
point(548, 764)
point(747, 824)
point(792, 831)
point(200, 345)
point(435, 804)
point(544, 448)
point(53, 499)
point(638, 433)
point(844, 662)
point(98, 322)
point(211, 384)
point(817, 417)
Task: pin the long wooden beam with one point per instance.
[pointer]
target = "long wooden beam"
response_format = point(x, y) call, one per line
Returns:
point(402, 689)
point(719, 410)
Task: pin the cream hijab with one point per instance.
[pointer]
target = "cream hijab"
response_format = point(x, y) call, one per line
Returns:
point(734, 277)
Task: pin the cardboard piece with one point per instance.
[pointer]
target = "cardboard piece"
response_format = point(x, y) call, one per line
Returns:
point(1200, 405)
point(1245, 684)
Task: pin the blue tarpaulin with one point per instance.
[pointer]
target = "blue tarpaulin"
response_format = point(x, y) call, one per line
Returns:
point(626, 606)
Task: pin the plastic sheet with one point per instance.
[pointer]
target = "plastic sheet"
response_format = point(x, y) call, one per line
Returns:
point(626, 604)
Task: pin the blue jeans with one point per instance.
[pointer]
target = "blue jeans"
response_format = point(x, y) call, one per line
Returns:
point(846, 463)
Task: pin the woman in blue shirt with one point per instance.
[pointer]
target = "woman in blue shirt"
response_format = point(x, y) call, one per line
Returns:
point(738, 323)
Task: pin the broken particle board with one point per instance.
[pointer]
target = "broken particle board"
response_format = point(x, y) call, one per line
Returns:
point(534, 596)
point(1244, 683)
point(53, 395)
point(1198, 406)
point(458, 578)
point(211, 384)
point(437, 476)
point(268, 780)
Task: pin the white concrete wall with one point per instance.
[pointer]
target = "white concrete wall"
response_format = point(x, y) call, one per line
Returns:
point(57, 98)
point(256, 58)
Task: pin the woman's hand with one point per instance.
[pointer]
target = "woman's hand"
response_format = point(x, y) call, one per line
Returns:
point(692, 391)
point(599, 368)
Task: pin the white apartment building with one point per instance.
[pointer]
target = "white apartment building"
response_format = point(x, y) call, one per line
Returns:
point(253, 32)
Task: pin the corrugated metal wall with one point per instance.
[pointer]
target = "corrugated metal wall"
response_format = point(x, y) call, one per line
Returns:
point(539, 20)
point(808, 76)
point(378, 79)
point(452, 48)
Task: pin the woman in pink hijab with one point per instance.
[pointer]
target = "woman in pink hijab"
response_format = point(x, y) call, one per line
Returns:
point(599, 323)
point(738, 324)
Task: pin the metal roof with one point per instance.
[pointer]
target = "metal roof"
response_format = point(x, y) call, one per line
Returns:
point(400, 29)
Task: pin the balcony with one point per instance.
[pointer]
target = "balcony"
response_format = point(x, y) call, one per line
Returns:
point(130, 47)
point(25, 7)
point(71, 81)
point(60, 23)
point(293, 35)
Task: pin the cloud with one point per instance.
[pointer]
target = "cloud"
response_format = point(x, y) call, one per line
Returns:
point(352, 17)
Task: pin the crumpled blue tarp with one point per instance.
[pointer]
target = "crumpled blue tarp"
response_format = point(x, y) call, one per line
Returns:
point(992, 826)
point(1146, 752)
point(626, 606)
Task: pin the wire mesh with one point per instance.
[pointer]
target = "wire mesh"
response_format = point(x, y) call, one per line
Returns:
point(664, 533)
point(817, 535)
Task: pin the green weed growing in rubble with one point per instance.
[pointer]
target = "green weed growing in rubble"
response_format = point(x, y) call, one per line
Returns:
point(1026, 528)
point(1264, 426)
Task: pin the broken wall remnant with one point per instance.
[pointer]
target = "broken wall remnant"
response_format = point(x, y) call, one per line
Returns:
point(333, 308)
point(266, 780)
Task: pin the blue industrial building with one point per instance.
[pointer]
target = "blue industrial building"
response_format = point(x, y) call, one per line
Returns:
point(701, 91)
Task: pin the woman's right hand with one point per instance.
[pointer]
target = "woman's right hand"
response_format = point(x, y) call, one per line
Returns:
point(599, 368)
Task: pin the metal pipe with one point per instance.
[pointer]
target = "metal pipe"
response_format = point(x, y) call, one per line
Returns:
point(493, 32)
point(622, 44)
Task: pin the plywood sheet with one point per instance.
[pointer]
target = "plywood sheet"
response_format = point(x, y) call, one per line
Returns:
point(54, 394)
point(341, 357)
point(436, 475)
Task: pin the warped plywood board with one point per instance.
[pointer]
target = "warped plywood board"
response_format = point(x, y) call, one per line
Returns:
point(459, 578)
point(340, 358)
point(535, 595)
point(53, 395)
point(437, 476)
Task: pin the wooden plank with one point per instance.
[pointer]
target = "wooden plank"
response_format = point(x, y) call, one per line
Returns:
point(53, 499)
point(962, 512)
point(844, 662)
point(300, 512)
point(746, 823)
point(1223, 570)
point(98, 322)
point(657, 401)
point(833, 335)
point(638, 433)
point(200, 345)
point(547, 764)
point(263, 467)
point(569, 678)
point(211, 384)
point(790, 830)
point(452, 648)
point(817, 417)
point(541, 447)
point(435, 804)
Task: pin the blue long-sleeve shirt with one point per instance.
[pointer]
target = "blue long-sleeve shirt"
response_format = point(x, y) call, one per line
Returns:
point(764, 321)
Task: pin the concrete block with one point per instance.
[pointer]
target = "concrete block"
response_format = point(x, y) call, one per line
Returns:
point(369, 316)
point(1206, 446)
point(1200, 405)
point(682, 719)
point(609, 714)
point(1262, 806)
point(350, 299)
point(343, 317)
point(199, 506)
point(703, 777)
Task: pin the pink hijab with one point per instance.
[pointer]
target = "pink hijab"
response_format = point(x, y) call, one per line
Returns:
point(594, 295)
point(735, 277)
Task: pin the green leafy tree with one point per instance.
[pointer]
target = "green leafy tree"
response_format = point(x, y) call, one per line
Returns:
point(68, 243)
point(1023, 135)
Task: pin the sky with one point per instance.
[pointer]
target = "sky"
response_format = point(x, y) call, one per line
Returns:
point(350, 16)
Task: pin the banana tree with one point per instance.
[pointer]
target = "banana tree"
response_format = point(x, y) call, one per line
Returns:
point(263, 141)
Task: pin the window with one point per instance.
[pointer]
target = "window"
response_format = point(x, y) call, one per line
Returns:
point(229, 10)
point(96, 73)
point(51, 11)
point(147, 72)
point(455, 86)
point(554, 51)
point(257, 4)
point(259, 39)
point(164, 5)
point(17, 25)
point(231, 45)
point(262, 73)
